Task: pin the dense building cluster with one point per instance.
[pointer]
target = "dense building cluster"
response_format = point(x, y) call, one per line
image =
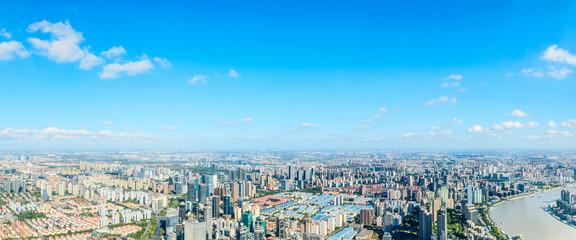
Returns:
point(268, 195)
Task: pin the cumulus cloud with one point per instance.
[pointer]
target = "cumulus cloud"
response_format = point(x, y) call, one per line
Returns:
point(108, 123)
point(556, 54)
point(434, 127)
point(12, 49)
point(196, 79)
point(130, 68)
point(53, 133)
point(443, 99)
point(223, 122)
point(559, 73)
point(569, 123)
point(533, 137)
point(514, 125)
point(475, 129)
point(309, 125)
point(454, 76)
point(168, 128)
point(382, 109)
point(559, 134)
point(63, 45)
point(4, 33)
point(363, 126)
point(163, 62)
point(378, 115)
point(457, 121)
point(518, 113)
point(114, 52)
point(552, 124)
point(532, 72)
point(233, 73)
point(247, 120)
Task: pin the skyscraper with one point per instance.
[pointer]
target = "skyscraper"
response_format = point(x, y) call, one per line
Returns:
point(194, 230)
point(215, 207)
point(202, 193)
point(192, 191)
point(227, 205)
point(425, 228)
point(442, 225)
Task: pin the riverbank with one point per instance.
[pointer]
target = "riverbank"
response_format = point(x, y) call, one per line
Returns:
point(555, 215)
point(520, 196)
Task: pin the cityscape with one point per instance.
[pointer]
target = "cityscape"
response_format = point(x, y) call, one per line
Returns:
point(288, 120)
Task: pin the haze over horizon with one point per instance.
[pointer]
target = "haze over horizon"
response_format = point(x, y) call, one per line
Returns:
point(287, 75)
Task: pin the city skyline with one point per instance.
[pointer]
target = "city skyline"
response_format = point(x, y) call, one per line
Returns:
point(287, 76)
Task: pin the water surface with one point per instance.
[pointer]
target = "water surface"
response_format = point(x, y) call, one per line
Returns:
point(526, 216)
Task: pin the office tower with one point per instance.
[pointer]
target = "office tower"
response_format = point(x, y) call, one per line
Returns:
point(442, 225)
point(227, 205)
point(259, 233)
point(285, 185)
point(247, 218)
point(291, 172)
point(241, 190)
point(192, 191)
point(261, 221)
point(194, 230)
point(242, 174)
point(181, 212)
point(425, 228)
point(231, 175)
point(209, 181)
point(203, 193)
point(215, 207)
point(235, 192)
point(281, 228)
point(179, 188)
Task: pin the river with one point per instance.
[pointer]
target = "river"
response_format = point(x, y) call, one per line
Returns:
point(525, 216)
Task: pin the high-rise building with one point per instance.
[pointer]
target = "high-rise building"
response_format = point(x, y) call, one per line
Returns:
point(281, 228)
point(366, 216)
point(181, 212)
point(192, 191)
point(215, 207)
point(442, 225)
point(247, 218)
point(292, 172)
point(194, 230)
point(227, 205)
point(234, 191)
point(179, 188)
point(203, 193)
point(425, 228)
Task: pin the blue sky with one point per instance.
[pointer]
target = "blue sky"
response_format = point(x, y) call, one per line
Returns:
point(301, 75)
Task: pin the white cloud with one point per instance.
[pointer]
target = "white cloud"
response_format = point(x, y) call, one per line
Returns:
point(113, 52)
point(63, 45)
point(559, 73)
point(532, 72)
point(556, 54)
point(518, 113)
point(457, 121)
point(475, 129)
point(450, 84)
point(247, 120)
point(442, 99)
point(309, 125)
point(454, 76)
point(512, 124)
point(382, 109)
point(53, 133)
point(12, 49)
point(163, 62)
point(531, 125)
point(569, 123)
point(364, 126)
point(130, 68)
point(533, 137)
point(434, 127)
point(223, 122)
point(89, 61)
point(233, 73)
point(378, 115)
point(509, 74)
point(552, 124)
point(559, 134)
point(368, 120)
point(5, 34)
point(409, 135)
point(109, 123)
point(168, 128)
point(198, 78)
